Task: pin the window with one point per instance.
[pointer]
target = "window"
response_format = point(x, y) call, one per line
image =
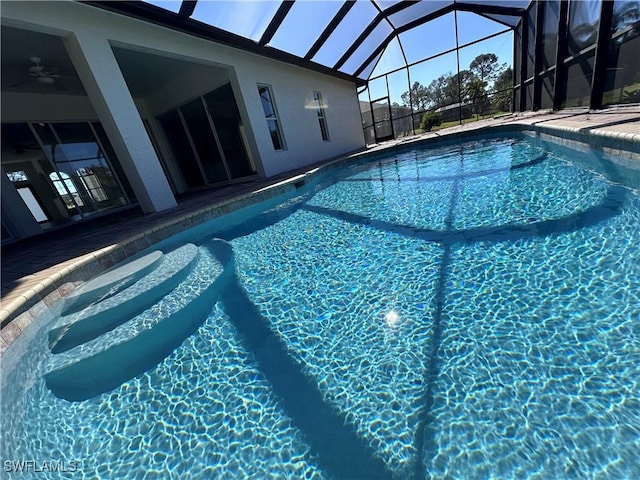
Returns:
point(32, 204)
point(17, 176)
point(322, 118)
point(91, 183)
point(79, 169)
point(271, 114)
point(66, 189)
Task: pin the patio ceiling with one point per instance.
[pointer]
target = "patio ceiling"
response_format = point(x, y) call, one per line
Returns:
point(343, 38)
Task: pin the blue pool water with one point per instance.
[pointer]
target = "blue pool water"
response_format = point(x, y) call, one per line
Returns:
point(468, 311)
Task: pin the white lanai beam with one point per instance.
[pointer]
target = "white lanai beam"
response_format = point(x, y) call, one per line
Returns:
point(102, 79)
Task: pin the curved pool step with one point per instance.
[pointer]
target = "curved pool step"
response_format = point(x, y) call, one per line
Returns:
point(106, 362)
point(79, 327)
point(111, 282)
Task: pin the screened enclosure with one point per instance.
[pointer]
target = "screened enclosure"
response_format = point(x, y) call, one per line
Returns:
point(420, 65)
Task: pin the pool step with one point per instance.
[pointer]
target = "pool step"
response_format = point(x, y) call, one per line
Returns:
point(79, 327)
point(111, 282)
point(106, 362)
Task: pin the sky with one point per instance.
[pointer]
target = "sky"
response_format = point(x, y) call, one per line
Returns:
point(296, 35)
point(441, 34)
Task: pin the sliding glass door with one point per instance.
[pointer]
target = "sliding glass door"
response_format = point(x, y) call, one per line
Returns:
point(205, 136)
point(204, 141)
point(61, 170)
point(225, 116)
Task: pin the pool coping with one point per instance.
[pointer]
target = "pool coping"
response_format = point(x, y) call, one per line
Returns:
point(39, 295)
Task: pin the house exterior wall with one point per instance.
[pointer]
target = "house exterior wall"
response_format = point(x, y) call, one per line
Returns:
point(184, 87)
point(23, 107)
point(292, 86)
point(293, 89)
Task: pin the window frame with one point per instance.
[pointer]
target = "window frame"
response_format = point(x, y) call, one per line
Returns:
point(65, 186)
point(322, 116)
point(95, 190)
point(272, 117)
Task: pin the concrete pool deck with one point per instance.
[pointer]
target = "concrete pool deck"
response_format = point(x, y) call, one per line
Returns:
point(39, 271)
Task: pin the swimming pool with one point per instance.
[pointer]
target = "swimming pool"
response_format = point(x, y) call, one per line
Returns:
point(465, 311)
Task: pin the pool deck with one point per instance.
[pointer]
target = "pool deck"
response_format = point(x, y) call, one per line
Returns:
point(38, 271)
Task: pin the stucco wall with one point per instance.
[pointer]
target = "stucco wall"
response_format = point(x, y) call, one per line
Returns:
point(293, 89)
point(292, 86)
point(184, 87)
point(50, 107)
point(22, 107)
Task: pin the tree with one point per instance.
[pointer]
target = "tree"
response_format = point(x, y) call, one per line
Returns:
point(504, 80)
point(442, 91)
point(417, 98)
point(476, 92)
point(436, 95)
point(451, 88)
point(485, 67)
point(503, 87)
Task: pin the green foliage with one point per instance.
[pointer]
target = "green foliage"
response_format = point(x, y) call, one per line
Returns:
point(430, 120)
point(484, 75)
point(503, 86)
point(437, 91)
point(455, 88)
point(632, 96)
point(417, 97)
point(477, 94)
point(485, 66)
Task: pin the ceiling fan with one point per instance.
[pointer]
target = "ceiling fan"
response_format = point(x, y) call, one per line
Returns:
point(42, 74)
